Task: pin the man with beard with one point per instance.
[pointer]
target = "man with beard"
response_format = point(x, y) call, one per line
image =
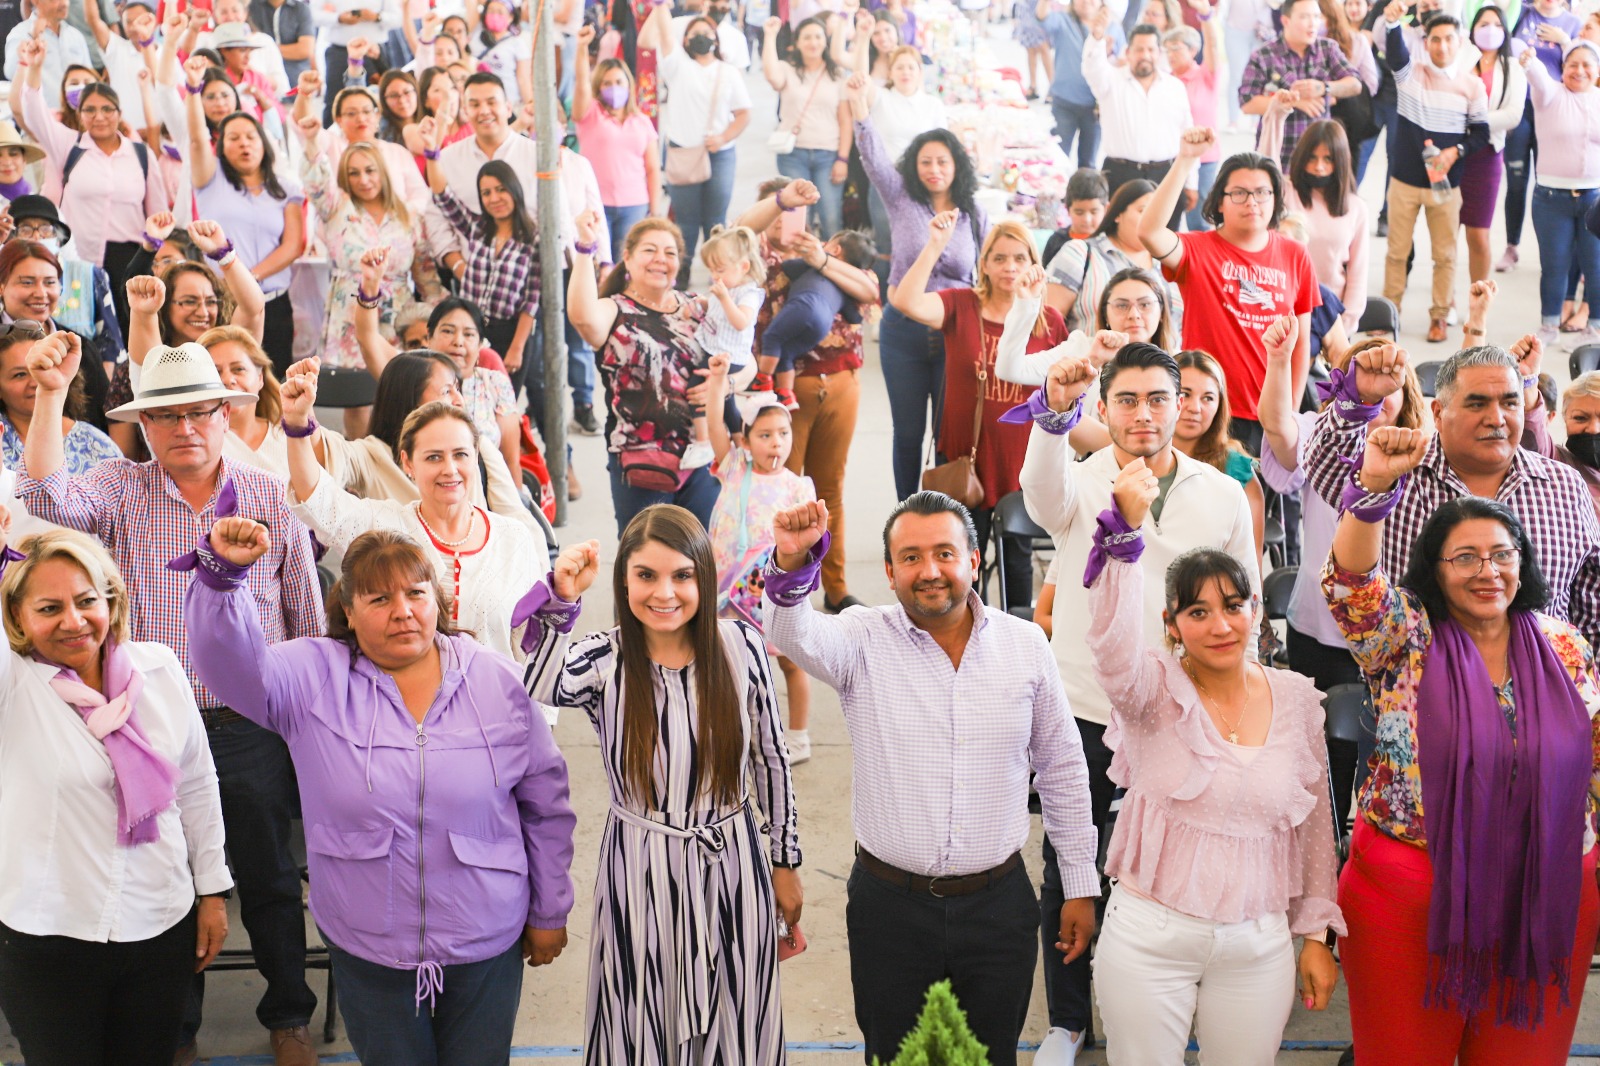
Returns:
point(1143, 111)
point(950, 704)
point(1197, 506)
point(1308, 67)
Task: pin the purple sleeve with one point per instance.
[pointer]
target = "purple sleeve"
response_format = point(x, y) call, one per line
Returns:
point(545, 808)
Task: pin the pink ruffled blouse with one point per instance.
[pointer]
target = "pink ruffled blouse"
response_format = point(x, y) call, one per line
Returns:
point(1204, 829)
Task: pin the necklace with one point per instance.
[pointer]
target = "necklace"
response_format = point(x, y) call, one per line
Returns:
point(642, 302)
point(1233, 727)
point(440, 540)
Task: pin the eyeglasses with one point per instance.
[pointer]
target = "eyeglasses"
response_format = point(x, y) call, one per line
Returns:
point(170, 419)
point(1470, 564)
point(91, 112)
point(36, 233)
point(1158, 402)
point(1147, 306)
point(26, 327)
point(1239, 196)
point(189, 303)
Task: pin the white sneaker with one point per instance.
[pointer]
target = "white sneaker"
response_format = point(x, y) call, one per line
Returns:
point(699, 453)
point(1548, 336)
point(1060, 1048)
point(799, 744)
point(1589, 335)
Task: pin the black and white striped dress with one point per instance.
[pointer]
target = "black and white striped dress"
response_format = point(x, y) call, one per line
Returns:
point(684, 966)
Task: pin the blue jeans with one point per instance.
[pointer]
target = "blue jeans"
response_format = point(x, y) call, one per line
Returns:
point(697, 208)
point(815, 165)
point(470, 1025)
point(913, 372)
point(1208, 178)
point(259, 796)
point(1080, 122)
point(1564, 241)
point(619, 220)
point(1522, 147)
point(698, 495)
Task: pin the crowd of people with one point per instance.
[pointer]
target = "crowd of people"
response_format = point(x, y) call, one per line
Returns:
point(230, 627)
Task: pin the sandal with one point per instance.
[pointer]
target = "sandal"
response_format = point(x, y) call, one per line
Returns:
point(1577, 319)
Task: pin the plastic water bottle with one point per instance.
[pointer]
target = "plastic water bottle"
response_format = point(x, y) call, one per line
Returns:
point(1439, 179)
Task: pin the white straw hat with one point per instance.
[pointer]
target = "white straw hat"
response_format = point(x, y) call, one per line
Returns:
point(172, 377)
point(234, 35)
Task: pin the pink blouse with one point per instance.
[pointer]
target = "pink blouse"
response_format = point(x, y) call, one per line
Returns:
point(1203, 829)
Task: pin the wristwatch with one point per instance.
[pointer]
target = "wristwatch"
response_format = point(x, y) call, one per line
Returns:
point(226, 893)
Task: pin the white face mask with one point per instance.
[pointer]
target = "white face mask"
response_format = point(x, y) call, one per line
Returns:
point(52, 244)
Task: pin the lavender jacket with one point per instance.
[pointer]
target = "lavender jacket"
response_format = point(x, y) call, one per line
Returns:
point(430, 845)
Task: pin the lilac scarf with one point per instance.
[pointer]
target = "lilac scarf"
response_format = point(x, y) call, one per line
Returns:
point(1502, 821)
point(146, 780)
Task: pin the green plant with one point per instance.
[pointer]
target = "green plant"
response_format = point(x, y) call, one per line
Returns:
point(941, 1037)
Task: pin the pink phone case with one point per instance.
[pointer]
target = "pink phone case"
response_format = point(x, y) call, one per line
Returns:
point(793, 224)
point(791, 945)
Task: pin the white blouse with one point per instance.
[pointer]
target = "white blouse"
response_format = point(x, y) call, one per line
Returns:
point(65, 873)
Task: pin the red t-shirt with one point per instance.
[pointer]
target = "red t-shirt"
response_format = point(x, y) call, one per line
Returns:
point(968, 337)
point(1255, 288)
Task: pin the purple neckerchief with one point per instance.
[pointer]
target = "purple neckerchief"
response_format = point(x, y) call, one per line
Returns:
point(1368, 506)
point(542, 602)
point(1341, 389)
point(789, 588)
point(1037, 410)
point(214, 570)
point(14, 189)
point(1113, 539)
point(173, 152)
point(9, 555)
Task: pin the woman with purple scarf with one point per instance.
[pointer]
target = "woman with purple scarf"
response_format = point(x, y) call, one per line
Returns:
point(110, 821)
point(1470, 932)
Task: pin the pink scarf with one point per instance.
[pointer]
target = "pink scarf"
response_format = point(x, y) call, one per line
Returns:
point(146, 780)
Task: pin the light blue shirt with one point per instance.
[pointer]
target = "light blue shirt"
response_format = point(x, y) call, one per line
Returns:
point(62, 49)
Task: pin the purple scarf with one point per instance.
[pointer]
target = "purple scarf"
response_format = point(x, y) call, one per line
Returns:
point(146, 780)
point(1502, 821)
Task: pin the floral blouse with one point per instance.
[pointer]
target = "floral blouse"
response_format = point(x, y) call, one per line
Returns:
point(485, 396)
point(648, 365)
point(1389, 634)
point(84, 446)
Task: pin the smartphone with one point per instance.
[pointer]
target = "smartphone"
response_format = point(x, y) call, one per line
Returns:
point(793, 223)
point(791, 942)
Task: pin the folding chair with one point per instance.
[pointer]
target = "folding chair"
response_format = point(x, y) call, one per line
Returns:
point(1585, 357)
point(345, 386)
point(1011, 519)
point(1379, 316)
point(1347, 708)
point(1428, 375)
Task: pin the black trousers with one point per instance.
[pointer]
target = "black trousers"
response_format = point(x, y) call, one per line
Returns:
point(79, 1003)
point(1017, 577)
point(497, 334)
point(901, 942)
point(277, 336)
point(117, 255)
point(1119, 171)
point(1066, 988)
point(1326, 667)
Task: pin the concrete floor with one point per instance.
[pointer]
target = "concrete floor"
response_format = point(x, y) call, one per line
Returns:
point(819, 1018)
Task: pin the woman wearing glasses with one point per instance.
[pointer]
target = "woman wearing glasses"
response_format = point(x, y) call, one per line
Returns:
point(32, 284)
point(1470, 931)
point(1238, 278)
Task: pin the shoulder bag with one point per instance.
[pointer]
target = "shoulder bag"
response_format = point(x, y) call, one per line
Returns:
point(692, 165)
point(958, 479)
point(782, 141)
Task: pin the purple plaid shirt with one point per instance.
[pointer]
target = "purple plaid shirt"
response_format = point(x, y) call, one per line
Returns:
point(1548, 496)
point(503, 282)
point(1275, 66)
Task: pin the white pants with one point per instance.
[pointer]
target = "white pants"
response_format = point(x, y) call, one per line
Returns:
point(1156, 971)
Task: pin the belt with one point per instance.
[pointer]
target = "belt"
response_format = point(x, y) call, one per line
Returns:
point(937, 887)
point(1136, 165)
point(216, 717)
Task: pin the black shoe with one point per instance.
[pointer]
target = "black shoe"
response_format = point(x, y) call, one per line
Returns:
point(583, 418)
point(845, 601)
point(1349, 1056)
point(1383, 227)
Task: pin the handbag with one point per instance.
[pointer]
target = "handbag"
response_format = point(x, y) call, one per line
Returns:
point(692, 165)
point(1355, 114)
point(958, 479)
point(652, 470)
point(782, 141)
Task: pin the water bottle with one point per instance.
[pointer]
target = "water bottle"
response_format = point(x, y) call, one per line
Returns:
point(1439, 179)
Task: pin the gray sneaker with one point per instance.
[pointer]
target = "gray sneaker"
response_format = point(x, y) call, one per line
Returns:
point(583, 418)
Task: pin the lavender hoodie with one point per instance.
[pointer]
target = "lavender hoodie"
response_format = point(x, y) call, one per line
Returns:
point(430, 845)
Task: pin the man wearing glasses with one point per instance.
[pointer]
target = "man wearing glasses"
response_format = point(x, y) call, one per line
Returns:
point(152, 512)
point(1198, 506)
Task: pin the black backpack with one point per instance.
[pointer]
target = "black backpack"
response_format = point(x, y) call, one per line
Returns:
point(76, 152)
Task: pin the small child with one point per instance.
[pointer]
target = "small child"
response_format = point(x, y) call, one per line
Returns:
point(756, 485)
point(729, 327)
point(1087, 195)
point(807, 314)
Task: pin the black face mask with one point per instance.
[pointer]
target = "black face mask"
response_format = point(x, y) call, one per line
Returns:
point(716, 14)
point(699, 45)
point(1318, 181)
point(1585, 447)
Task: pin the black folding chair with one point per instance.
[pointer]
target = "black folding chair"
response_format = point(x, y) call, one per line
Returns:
point(1585, 357)
point(1011, 519)
point(1276, 588)
point(1379, 316)
point(1346, 709)
point(345, 386)
point(1428, 375)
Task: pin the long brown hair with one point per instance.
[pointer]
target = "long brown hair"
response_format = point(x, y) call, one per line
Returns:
point(1413, 413)
point(378, 561)
point(1338, 27)
point(720, 733)
point(1212, 446)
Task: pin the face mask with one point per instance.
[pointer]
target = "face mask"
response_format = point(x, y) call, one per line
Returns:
point(74, 94)
point(715, 14)
point(497, 21)
point(1585, 447)
point(614, 96)
point(1318, 181)
point(1489, 38)
point(698, 45)
point(53, 244)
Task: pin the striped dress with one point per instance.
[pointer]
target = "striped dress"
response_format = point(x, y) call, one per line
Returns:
point(683, 967)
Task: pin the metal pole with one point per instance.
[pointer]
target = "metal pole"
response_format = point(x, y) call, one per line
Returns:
point(552, 293)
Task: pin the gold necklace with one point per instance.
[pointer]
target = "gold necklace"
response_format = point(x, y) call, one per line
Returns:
point(1233, 728)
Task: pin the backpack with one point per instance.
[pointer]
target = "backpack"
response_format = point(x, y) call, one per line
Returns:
point(75, 154)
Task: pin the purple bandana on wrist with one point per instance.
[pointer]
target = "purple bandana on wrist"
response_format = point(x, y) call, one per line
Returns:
point(789, 588)
point(9, 555)
point(541, 602)
point(1368, 506)
point(210, 568)
point(1113, 539)
point(1341, 389)
point(1037, 410)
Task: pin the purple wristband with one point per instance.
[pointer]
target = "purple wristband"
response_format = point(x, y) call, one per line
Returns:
point(789, 588)
point(367, 301)
point(191, 90)
point(1113, 539)
point(211, 569)
point(1341, 389)
point(1368, 506)
point(157, 242)
point(1037, 410)
point(585, 249)
point(298, 432)
point(221, 253)
point(430, 153)
point(9, 555)
point(541, 602)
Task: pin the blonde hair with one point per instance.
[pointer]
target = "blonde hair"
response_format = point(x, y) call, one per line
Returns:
point(1413, 413)
point(82, 551)
point(392, 204)
point(901, 51)
point(1015, 231)
point(1296, 225)
point(729, 244)
point(269, 401)
point(606, 66)
point(427, 415)
point(1582, 385)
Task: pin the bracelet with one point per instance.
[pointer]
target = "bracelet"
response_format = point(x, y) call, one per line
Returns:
point(301, 431)
point(777, 198)
point(1531, 383)
point(156, 242)
point(842, 159)
point(430, 153)
point(193, 90)
point(585, 249)
point(221, 253)
point(357, 62)
point(369, 302)
point(429, 41)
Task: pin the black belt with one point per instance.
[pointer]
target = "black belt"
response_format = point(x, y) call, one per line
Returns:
point(1129, 164)
point(938, 887)
point(216, 717)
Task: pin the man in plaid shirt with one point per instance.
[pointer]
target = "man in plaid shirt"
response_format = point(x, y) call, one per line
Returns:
point(1306, 65)
point(1474, 451)
point(149, 514)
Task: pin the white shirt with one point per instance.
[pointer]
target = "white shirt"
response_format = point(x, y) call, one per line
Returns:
point(326, 14)
point(65, 873)
point(122, 68)
point(731, 41)
point(898, 118)
point(1138, 124)
point(689, 85)
point(502, 59)
point(461, 162)
point(61, 50)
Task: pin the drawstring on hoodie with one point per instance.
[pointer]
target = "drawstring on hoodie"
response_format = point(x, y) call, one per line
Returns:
point(372, 730)
point(485, 734)
point(430, 982)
